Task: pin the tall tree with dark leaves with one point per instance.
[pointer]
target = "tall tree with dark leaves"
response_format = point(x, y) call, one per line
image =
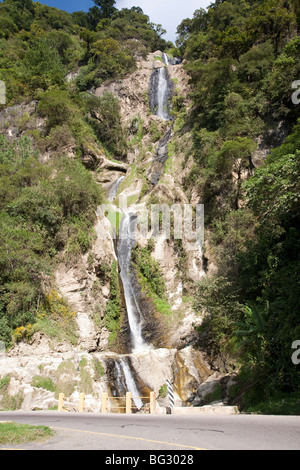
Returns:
point(106, 6)
point(102, 9)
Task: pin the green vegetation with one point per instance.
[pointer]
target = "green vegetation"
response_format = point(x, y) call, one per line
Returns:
point(150, 277)
point(112, 315)
point(43, 382)
point(39, 45)
point(9, 402)
point(15, 433)
point(105, 118)
point(99, 370)
point(242, 58)
point(163, 391)
point(86, 382)
point(41, 218)
point(55, 318)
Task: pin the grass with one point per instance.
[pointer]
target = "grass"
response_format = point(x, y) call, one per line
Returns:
point(278, 404)
point(43, 382)
point(13, 433)
point(162, 305)
point(253, 395)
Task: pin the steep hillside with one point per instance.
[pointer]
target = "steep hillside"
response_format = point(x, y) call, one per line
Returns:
point(243, 61)
point(105, 122)
point(64, 309)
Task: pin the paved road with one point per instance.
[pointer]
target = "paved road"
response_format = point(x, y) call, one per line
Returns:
point(87, 431)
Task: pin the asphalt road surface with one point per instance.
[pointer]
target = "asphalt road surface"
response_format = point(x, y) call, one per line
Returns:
point(112, 432)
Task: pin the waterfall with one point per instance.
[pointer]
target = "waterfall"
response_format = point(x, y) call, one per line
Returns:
point(114, 188)
point(131, 385)
point(124, 249)
point(123, 380)
point(160, 91)
point(166, 59)
point(163, 94)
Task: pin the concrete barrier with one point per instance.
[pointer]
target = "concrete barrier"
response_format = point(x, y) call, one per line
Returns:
point(205, 410)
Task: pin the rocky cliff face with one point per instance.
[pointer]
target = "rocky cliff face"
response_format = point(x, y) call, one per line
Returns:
point(158, 162)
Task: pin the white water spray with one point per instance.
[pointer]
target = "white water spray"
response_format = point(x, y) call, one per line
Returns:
point(131, 385)
point(162, 94)
point(114, 188)
point(125, 246)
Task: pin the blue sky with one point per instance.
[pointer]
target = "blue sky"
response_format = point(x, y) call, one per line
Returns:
point(168, 13)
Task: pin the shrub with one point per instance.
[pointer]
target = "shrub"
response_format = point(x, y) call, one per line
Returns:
point(57, 107)
point(150, 269)
point(43, 64)
point(113, 307)
point(105, 118)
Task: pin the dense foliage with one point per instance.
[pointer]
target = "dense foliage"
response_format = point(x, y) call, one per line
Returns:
point(242, 58)
point(41, 216)
point(39, 45)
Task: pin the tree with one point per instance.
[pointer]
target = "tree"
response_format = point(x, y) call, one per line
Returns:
point(256, 62)
point(183, 32)
point(273, 193)
point(271, 19)
point(57, 107)
point(105, 117)
point(217, 299)
point(21, 12)
point(107, 7)
point(43, 64)
point(250, 335)
point(160, 31)
point(24, 5)
point(270, 262)
point(102, 9)
point(296, 6)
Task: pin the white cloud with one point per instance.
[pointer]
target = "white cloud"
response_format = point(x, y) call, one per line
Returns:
point(168, 13)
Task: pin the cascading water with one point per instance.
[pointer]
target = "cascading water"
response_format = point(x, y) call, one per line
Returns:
point(114, 188)
point(130, 382)
point(165, 59)
point(124, 249)
point(123, 377)
point(160, 91)
point(124, 381)
point(162, 94)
